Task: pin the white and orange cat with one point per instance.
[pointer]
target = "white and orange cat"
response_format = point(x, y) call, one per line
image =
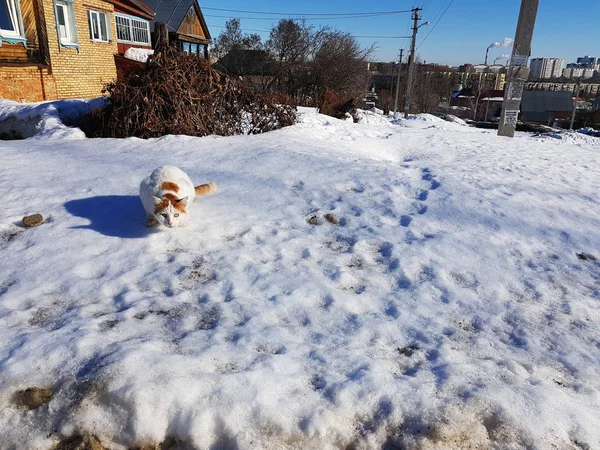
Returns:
point(166, 193)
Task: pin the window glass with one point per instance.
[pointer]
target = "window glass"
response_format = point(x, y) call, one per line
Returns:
point(62, 22)
point(5, 16)
point(103, 28)
point(131, 30)
point(123, 28)
point(65, 22)
point(98, 22)
point(186, 48)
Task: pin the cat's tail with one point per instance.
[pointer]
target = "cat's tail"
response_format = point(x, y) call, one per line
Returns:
point(205, 188)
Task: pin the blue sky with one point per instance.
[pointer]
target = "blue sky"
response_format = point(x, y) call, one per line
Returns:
point(564, 29)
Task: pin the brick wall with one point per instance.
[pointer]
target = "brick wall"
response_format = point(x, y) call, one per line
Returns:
point(81, 74)
point(29, 83)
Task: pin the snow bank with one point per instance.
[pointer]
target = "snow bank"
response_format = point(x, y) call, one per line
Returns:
point(349, 286)
point(138, 54)
point(45, 120)
point(371, 117)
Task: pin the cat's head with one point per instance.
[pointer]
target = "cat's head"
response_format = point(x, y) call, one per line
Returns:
point(170, 211)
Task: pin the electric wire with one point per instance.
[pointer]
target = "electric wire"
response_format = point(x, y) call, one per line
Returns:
point(309, 14)
point(300, 16)
point(438, 21)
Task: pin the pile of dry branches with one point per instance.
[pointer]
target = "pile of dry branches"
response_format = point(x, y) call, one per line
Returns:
point(179, 94)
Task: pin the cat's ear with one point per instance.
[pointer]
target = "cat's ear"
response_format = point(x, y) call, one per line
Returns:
point(157, 201)
point(183, 201)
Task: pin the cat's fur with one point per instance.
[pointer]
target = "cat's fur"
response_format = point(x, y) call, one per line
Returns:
point(166, 193)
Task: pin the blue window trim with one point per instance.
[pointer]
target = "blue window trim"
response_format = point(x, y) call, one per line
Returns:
point(60, 44)
point(13, 41)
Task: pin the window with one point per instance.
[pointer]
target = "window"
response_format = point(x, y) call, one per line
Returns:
point(65, 22)
point(99, 26)
point(131, 30)
point(10, 24)
point(193, 49)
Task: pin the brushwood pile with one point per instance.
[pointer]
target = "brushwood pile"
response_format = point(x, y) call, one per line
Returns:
point(175, 93)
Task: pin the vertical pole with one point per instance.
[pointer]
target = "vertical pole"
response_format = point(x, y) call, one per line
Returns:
point(161, 36)
point(398, 82)
point(392, 88)
point(575, 103)
point(411, 60)
point(518, 71)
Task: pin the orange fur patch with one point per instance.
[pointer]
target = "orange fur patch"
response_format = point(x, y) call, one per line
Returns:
point(205, 188)
point(170, 186)
point(169, 198)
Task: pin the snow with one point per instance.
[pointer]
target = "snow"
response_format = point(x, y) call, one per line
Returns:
point(44, 120)
point(447, 309)
point(138, 54)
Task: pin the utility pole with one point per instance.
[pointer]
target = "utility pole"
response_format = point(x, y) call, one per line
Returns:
point(411, 60)
point(518, 71)
point(575, 102)
point(398, 82)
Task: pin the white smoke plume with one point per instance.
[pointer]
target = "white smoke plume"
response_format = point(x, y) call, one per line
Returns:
point(507, 42)
point(501, 57)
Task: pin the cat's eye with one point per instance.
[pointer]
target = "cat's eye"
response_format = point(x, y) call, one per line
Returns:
point(164, 215)
point(176, 215)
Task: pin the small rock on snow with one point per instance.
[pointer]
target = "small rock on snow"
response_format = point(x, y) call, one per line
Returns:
point(33, 221)
point(33, 397)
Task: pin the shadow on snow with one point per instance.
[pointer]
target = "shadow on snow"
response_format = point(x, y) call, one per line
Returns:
point(111, 215)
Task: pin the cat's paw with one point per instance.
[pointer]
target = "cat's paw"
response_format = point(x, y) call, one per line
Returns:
point(151, 221)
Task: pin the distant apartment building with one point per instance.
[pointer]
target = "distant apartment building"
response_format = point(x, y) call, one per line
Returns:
point(590, 89)
point(578, 72)
point(546, 68)
point(588, 60)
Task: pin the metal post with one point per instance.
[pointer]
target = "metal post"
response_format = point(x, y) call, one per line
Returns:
point(411, 60)
point(398, 82)
point(518, 71)
point(575, 103)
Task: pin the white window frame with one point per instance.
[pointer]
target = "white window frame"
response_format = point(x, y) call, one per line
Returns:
point(14, 15)
point(134, 26)
point(68, 12)
point(96, 17)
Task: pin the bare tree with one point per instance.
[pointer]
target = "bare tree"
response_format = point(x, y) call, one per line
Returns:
point(232, 38)
point(340, 64)
point(290, 44)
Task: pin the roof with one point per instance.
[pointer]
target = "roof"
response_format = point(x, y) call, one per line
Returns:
point(141, 4)
point(136, 7)
point(542, 101)
point(172, 12)
point(247, 62)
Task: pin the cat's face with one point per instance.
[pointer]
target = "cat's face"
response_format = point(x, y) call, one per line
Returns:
point(170, 211)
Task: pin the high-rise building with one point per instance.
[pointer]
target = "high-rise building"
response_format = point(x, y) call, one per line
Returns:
point(588, 60)
point(545, 68)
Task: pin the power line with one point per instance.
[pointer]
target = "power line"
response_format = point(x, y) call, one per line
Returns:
point(304, 18)
point(309, 14)
point(356, 36)
point(244, 29)
point(438, 21)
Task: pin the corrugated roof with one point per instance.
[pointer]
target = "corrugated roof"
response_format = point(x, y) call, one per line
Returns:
point(172, 12)
point(542, 101)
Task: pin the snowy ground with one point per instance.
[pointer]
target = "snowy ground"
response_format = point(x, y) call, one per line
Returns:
point(446, 309)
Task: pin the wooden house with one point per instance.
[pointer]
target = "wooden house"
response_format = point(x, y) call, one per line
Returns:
point(186, 24)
